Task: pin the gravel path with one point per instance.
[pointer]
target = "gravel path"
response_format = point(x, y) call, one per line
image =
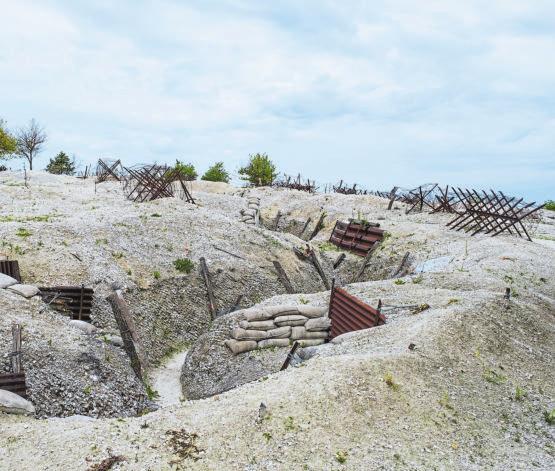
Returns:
point(165, 380)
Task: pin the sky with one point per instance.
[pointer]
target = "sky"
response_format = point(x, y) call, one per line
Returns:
point(379, 93)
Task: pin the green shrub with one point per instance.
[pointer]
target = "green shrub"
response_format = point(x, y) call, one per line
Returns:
point(550, 204)
point(260, 171)
point(22, 232)
point(187, 170)
point(61, 165)
point(183, 265)
point(156, 275)
point(216, 173)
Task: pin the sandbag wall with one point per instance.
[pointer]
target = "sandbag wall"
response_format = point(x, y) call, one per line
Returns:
point(251, 215)
point(279, 326)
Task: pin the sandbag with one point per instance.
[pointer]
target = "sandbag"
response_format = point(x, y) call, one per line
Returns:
point(241, 347)
point(311, 342)
point(319, 323)
point(279, 333)
point(312, 312)
point(242, 334)
point(257, 325)
point(268, 312)
point(292, 320)
point(298, 332)
point(273, 343)
point(319, 334)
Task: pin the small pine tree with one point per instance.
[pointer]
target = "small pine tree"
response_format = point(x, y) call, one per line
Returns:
point(260, 171)
point(61, 165)
point(187, 170)
point(216, 173)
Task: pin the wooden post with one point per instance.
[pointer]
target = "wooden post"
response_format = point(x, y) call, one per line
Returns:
point(81, 300)
point(507, 293)
point(237, 304)
point(128, 331)
point(339, 261)
point(16, 355)
point(401, 266)
point(276, 220)
point(318, 267)
point(366, 261)
point(206, 276)
point(392, 197)
point(283, 277)
point(318, 226)
point(290, 356)
point(304, 227)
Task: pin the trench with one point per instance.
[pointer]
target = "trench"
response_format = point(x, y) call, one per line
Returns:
point(165, 380)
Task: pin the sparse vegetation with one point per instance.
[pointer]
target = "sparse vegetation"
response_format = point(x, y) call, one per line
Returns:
point(341, 456)
point(22, 232)
point(216, 173)
point(260, 170)
point(156, 274)
point(183, 265)
point(550, 205)
point(388, 378)
point(289, 424)
point(492, 376)
point(549, 416)
point(520, 393)
point(188, 171)
point(399, 281)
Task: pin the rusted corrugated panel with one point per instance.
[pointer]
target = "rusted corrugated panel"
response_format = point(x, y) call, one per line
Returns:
point(348, 313)
point(14, 383)
point(10, 268)
point(355, 236)
point(75, 299)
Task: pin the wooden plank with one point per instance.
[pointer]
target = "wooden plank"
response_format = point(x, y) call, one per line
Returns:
point(128, 331)
point(16, 354)
point(212, 307)
point(290, 356)
point(366, 262)
point(318, 226)
point(316, 263)
point(282, 275)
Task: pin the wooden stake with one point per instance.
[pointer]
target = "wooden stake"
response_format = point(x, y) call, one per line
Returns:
point(128, 331)
point(305, 226)
point(283, 277)
point(290, 356)
point(339, 261)
point(276, 220)
point(316, 263)
point(318, 226)
point(16, 356)
point(402, 265)
point(206, 276)
point(366, 261)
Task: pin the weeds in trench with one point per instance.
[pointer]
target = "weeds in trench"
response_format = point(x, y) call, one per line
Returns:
point(303, 300)
point(151, 393)
point(267, 436)
point(156, 274)
point(388, 378)
point(22, 232)
point(117, 255)
point(183, 265)
point(549, 416)
point(328, 246)
point(399, 281)
point(183, 445)
point(453, 301)
point(101, 241)
point(341, 456)
point(289, 424)
point(492, 376)
point(520, 393)
point(419, 279)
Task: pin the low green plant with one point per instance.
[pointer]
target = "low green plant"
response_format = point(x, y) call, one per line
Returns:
point(151, 393)
point(303, 300)
point(549, 205)
point(101, 241)
point(418, 279)
point(388, 378)
point(444, 401)
point(216, 173)
point(289, 424)
point(117, 255)
point(549, 416)
point(183, 265)
point(492, 376)
point(267, 436)
point(399, 281)
point(341, 456)
point(22, 232)
point(520, 393)
point(156, 274)
point(87, 390)
point(453, 301)
point(328, 246)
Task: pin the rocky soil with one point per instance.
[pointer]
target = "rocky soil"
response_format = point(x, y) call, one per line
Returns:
point(473, 392)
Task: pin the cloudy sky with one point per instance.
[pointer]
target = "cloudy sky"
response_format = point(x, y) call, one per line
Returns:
point(381, 93)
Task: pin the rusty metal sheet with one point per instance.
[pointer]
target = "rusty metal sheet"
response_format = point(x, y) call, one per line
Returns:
point(75, 300)
point(348, 313)
point(14, 383)
point(10, 268)
point(356, 236)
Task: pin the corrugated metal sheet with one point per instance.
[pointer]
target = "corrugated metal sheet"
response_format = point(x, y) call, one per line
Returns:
point(348, 313)
point(14, 383)
point(355, 236)
point(10, 268)
point(75, 299)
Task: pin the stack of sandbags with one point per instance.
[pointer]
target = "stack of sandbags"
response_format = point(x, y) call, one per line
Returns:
point(251, 215)
point(278, 326)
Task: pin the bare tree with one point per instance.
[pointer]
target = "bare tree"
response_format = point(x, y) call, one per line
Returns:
point(30, 141)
